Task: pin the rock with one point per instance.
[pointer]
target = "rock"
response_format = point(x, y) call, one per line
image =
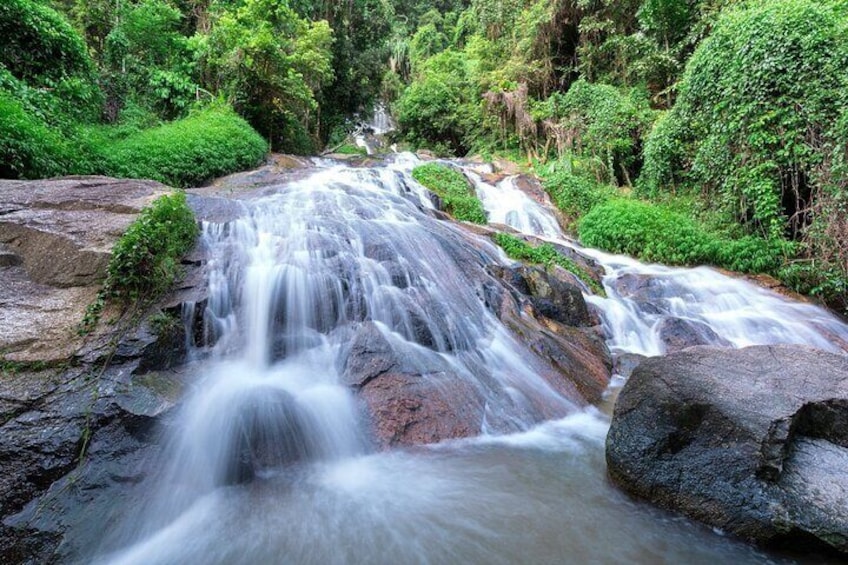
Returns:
point(64, 229)
point(557, 295)
point(56, 238)
point(677, 334)
point(506, 167)
point(752, 441)
point(626, 363)
point(406, 409)
point(278, 168)
point(410, 395)
point(271, 431)
point(426, 155)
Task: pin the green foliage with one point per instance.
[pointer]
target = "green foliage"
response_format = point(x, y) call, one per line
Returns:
point(442, 104)
point(545, 254)
point(187, 152)
point(28, 147)
point(39, 45)
point(145, 260)
point(651, 232)
point(45, 64)
point(602, 123)
point(453, 188)
point(350, 149)
point(758, 97)
point(271, 63)
point(657, 233)
point(150, 59)
point(576, 195)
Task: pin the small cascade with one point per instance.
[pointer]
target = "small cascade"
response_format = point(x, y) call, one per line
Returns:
point(648, 305)
point(368, 134)
point(506, 204)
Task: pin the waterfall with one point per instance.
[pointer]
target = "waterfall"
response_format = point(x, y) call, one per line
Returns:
point(269, 459)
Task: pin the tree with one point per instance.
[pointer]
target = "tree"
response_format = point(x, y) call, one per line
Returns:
point(270, 63)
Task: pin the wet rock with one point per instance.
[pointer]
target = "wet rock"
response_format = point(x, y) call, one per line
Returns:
point(677, 334)
point(271, 431)
point(752, 441)
point(278, 168)
point(66, 422)
point(577, 363)
point(406, 409)
point(625, 363)
point(410, 395)
point(63, 229)
point(370, 354)
point(554, 293)
point(557, 295)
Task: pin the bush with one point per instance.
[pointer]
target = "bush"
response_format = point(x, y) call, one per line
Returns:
point(42, 50)
point(651, 232)
point(604, 123)
point(576, 195)
point(442, 104)
point(759, 97)
point(39, 45)
point(28, 148)
point(187, 152)
point(452, 187)
point(657, 233)
point(145, 260)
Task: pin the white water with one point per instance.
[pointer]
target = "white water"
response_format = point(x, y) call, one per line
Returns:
point(368, 134)
point(739, 312)
point(289, 283)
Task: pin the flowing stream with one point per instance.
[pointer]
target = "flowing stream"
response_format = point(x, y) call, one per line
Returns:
point(290, 283)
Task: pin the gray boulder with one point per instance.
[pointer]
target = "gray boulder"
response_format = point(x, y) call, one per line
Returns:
point(752, 441)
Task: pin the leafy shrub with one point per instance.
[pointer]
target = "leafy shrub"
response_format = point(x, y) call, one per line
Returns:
point(145, 260)
point(576, 195)
point(655, 232)
point(452, 187)
point(43, 51)
point(442, 105)
point(545, 254)
point(759, 96)
point(651, 232)
point(603, 122)
point(28, 147)
point(39, 44)
point(350, 149)
point(187, 152)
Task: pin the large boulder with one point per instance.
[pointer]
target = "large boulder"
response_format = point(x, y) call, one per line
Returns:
point(56, 238)
point(752, 441)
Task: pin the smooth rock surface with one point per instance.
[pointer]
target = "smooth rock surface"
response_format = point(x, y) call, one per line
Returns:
point(752, 441)
point(56, 238)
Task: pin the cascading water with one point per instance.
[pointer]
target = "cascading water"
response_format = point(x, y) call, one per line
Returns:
point(268, 461)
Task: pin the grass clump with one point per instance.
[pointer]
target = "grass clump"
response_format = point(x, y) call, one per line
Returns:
point(145, 260)
point(453, 189)
point(651, 232)
point(545, 254)
point(183, 153)
point(350, 149)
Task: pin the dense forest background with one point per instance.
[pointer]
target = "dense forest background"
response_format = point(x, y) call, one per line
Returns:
point(680, 131)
